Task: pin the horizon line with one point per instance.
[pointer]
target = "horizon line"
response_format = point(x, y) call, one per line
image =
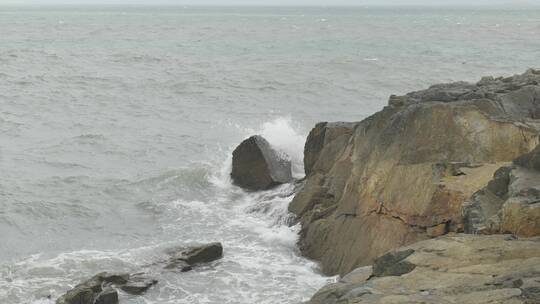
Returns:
point(263, 5)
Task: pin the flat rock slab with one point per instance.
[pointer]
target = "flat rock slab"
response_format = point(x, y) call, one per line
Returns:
point(496, 269)
point(257, 166)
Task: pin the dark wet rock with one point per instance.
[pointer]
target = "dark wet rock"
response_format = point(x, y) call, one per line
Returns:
point(202, 254)
point(257, 166)
point(186, 257)
point(78, 295)
point(100, 288)
point(107, 296)
point(393, 264)
point(138, 285)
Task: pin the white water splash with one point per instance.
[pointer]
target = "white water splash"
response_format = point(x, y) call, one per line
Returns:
point(282, 135)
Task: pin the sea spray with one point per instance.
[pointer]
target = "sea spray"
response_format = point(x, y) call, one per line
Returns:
point(199, 204)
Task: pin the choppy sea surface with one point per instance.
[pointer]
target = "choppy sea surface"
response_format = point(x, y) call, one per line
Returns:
point(117, 125)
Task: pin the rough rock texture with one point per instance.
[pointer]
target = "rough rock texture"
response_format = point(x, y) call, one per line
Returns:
point(257, 166)
point(510, 203)
point(497, 269)
point(402, 175)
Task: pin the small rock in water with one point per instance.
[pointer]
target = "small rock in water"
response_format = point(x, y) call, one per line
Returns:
point(78, 295)
point(98, 289)
point(257, 166)
point(187, 257)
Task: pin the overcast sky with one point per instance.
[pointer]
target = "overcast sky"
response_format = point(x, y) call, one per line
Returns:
point(275, 2)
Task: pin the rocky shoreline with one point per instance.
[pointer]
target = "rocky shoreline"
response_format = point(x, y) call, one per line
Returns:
point(406, 205)
point(433, 199)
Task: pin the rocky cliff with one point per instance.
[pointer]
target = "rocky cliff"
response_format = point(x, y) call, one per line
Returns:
point(403, 174)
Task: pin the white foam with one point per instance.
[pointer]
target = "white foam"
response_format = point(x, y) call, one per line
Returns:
point(282, 135)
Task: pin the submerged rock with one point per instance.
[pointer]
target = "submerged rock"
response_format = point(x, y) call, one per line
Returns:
point(451, 269)
point(257, 166)
point(403, 174)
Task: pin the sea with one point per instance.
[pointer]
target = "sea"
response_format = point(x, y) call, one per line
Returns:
point(117, 125)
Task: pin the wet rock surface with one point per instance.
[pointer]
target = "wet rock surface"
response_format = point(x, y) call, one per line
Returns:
point(186, 258)
point(102, 288)
point(403, 174)
point(496, 269)
point(258, 166)
point(97, 289)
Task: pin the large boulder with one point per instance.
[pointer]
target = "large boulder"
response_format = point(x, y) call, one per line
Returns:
point(497, 269)
point(510, 203)
point(403, 174)
point(257, 166)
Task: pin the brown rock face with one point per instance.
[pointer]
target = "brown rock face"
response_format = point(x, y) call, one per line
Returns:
point(402, 175)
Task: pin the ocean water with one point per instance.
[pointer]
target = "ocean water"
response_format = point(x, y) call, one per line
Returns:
point(117, 126)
